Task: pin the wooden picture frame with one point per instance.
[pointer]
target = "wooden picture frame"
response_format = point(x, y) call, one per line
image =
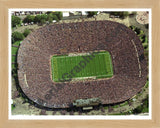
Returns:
point(4, 32)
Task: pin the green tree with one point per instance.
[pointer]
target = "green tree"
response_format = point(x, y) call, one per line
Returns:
point(26, 32)
point(48, 12)
point(37, 19)
point(55, 18)
point(17, 36)
point(92, 13)
point(58, 14)
point(41, 18)
point(42, 21)
point(15, 21)
point(28, 19)
point(52, 17)
point(49, 16)
point(137, 30)
point(44, 16)
point(50, 20)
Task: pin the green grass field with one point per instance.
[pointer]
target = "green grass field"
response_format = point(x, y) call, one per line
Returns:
point(14, 52)
point(81, 66)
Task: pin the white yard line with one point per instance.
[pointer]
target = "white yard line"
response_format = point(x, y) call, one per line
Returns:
point(77, 55)
point(25, 79)
point(139, 65)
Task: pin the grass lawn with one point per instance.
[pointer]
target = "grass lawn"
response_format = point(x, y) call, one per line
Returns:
point(81, 66)
point(123, 104)
point(13, 59)
point(17, 43)
point(14, 50)
point(13, 66)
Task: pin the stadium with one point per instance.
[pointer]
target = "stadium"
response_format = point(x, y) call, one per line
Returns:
point(61, 64)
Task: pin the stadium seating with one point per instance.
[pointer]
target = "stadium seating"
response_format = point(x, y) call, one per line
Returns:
point(35, 52)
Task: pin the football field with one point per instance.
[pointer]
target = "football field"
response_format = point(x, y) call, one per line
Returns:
point(93, 65)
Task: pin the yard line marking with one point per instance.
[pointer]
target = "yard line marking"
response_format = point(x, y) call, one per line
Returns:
point(25, 79)
point(139, 65)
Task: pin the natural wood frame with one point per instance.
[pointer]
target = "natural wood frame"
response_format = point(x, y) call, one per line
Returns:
point(6, 4)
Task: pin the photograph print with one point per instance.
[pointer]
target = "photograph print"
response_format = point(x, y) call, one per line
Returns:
point(79, 63)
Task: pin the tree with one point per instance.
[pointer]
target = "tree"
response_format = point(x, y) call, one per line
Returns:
point(41, 18)
point(29, 19)
point(37, 19)
point(26, 32)
point(48, 12)
point(137, 30)
point(44, 16)
point(17, 36)
point(58, 14)
point(42, 21)
point(50, 20)
point(92, 13)
point(55, 18)
point(15, 21)
point(49, 16)
point(52, 17)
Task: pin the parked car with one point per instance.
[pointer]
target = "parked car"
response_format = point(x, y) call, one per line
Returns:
point(54, 21)
point(25, 24)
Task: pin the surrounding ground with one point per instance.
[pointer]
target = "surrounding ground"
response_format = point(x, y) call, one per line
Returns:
point(22, 107)
point(98, 65)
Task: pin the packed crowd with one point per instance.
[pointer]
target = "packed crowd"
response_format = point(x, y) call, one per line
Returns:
point(36, 50)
